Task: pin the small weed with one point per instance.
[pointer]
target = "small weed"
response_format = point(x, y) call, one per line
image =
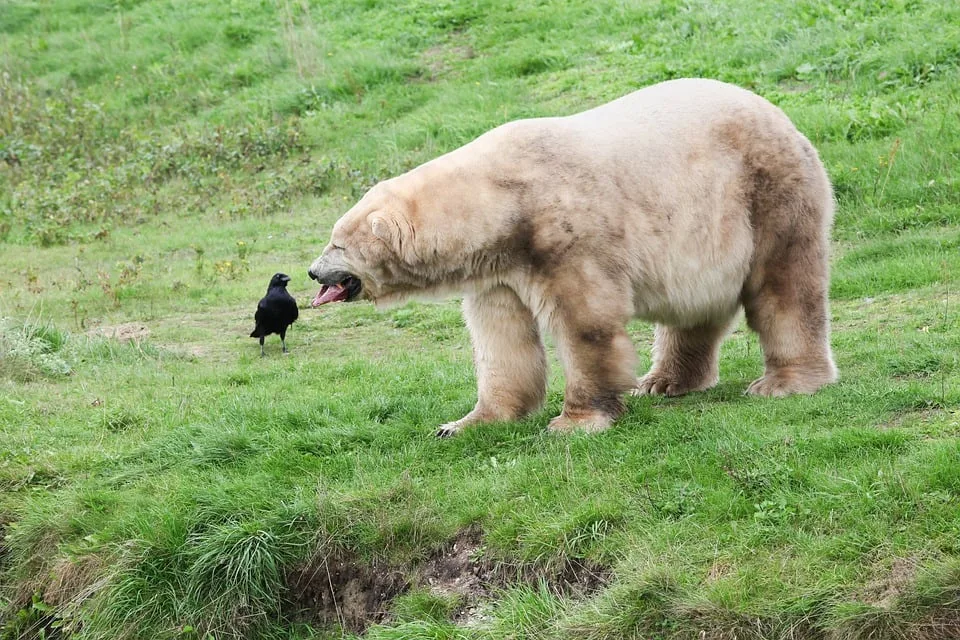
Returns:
point(677, 502)
point(198, 260)
point(121, 420)
point(230, 269)
point(31, 351)
point(37, 621)
point(777, 512)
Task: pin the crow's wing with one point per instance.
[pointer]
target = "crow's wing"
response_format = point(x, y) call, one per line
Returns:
point(261, 317)
point(283, 308)
point(292, 312)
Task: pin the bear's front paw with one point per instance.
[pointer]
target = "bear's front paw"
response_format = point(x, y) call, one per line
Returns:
point(786, 382)
point(658, 384)
point(769, 386)
point(479, 415)
point(590, 423)
point(451, 429)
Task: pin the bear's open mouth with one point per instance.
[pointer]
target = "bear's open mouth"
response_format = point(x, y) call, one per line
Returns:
point(344, 291)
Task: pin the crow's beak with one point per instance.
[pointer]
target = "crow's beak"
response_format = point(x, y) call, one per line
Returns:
point(286, 279)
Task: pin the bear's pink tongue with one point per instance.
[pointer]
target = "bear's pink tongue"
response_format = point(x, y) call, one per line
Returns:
point(336, 293)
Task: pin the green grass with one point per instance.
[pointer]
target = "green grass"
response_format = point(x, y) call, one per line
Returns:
point(160, 159)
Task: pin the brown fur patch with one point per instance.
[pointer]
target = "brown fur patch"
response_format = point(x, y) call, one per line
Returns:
point(511, 184)
point(595, 335)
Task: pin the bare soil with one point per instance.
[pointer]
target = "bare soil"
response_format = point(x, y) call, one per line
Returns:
point(342, 590)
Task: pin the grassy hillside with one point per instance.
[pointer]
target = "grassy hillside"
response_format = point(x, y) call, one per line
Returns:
point(160, 159)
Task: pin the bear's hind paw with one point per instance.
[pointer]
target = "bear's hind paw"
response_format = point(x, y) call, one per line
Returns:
point(591, 423)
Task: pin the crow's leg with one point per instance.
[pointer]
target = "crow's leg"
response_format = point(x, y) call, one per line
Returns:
point(283, 340)
point(261, 346)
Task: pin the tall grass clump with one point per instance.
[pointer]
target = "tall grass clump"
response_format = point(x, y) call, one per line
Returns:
point(35, 349)
point(32, 350)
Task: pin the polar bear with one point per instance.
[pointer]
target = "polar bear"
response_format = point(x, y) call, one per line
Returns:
point(679, 203)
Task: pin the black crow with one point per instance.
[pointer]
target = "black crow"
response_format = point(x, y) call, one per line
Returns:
point(276, 311)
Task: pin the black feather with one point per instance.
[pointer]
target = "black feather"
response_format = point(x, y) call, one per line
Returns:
point(276, 311)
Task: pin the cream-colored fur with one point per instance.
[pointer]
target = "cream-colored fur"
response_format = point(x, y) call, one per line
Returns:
point(679, 203)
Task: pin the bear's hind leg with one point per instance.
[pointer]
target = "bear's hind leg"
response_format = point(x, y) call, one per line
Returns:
point(684, 360)
point(509, 358)
point(785, 301)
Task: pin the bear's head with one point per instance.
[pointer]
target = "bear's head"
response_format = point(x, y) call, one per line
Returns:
point(370, 255)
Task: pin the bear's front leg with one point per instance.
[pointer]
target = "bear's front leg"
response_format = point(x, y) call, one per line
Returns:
point(598, 363)
point(509, 358)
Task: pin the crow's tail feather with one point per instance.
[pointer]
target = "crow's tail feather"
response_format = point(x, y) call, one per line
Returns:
point(255, 333)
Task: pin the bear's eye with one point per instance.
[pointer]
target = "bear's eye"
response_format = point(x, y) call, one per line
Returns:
point(337, 247)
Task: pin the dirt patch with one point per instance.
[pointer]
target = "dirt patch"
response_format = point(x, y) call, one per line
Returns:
point(437, 60)
point(576, 579)
point(718, 571)
point(73, 581)
point(458, 568)
point(462, 568)
point(884, 591)
point(195, 351)
point(127, 332)
point(341, 590)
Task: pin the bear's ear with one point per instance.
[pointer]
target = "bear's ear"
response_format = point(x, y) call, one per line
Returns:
point(385, 228)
